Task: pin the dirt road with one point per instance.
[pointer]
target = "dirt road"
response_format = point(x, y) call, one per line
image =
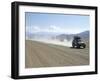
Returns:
point(39, 54)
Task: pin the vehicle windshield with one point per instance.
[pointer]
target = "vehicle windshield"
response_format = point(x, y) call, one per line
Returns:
point(79, 40)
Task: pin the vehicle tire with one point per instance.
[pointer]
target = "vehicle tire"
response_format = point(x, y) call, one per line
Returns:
point(84, 46)
point(78, 46)
point(73, 45)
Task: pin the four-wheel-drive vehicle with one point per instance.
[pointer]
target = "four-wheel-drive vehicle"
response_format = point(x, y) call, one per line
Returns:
point(77, 42)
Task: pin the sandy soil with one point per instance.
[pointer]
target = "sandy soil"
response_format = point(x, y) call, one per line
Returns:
point(39, 54)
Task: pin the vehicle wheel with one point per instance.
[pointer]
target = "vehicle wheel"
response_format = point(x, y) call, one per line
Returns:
point(78, 46)
point(73, 45)
point(84, 46)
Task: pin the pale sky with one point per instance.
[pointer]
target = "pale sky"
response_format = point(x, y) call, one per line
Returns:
point(56, 23)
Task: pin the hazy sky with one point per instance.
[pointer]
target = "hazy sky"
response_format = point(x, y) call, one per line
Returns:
point(56, 23)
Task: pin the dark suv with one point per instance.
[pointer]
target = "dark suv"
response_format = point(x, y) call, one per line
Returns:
point(77, 43)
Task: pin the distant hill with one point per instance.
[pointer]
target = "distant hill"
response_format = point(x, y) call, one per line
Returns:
point(84, 35)
point(48, 35)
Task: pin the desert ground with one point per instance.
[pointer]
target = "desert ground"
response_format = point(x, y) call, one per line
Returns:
point(38, 54)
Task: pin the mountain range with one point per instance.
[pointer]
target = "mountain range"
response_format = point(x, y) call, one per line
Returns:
point(84, 35)
point(48, 35)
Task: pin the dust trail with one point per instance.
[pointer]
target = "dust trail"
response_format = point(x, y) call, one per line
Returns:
point(55, 42)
